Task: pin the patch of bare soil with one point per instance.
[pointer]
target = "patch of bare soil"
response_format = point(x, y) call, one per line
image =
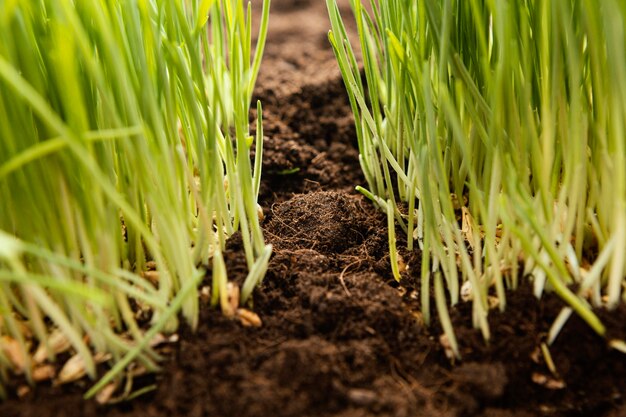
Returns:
point(340, 337)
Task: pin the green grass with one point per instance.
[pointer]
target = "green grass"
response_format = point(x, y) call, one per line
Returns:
point(124, 144)
point(494, 134)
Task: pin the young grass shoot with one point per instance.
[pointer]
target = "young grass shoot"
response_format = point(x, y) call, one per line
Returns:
point(124, 167)
point(493, 134)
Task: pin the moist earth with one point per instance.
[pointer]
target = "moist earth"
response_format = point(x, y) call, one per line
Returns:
point(339, 336)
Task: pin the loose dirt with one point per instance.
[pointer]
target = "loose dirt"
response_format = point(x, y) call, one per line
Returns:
point(340, 337)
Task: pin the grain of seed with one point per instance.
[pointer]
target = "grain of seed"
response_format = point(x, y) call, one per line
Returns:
point(205, 294)
point(233, 295)
point(13, 351)
point(74, 369)
point(107, 392)
point(152, 276)
point(23, 391)
point(447, 347)
point(44, 373)
point(249, 318)
point(547, 382)
point(57, 342)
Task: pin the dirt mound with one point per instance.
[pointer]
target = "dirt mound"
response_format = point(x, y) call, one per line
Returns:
point(327, 222)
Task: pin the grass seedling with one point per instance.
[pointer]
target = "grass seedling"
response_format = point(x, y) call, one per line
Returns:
point(124, 154)
point(503, 124)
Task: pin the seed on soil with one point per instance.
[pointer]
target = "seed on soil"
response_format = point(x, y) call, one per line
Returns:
point(233, 296)
point(57, 343)
point(74, 368)
point(362, 397)
point(447, 347)
point(248, 318)
point(43, 373)
point(23, 391)
point(152, 276)
point(13, 351)
point(547, 381)
point(467, 293)
point(105, 395)
point(205, 294)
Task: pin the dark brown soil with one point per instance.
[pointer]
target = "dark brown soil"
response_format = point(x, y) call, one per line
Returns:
point(339, 337)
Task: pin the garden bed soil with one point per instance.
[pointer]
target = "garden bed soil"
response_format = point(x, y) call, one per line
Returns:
point(339, 336)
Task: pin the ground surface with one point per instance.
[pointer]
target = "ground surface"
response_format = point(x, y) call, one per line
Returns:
point(339, 337)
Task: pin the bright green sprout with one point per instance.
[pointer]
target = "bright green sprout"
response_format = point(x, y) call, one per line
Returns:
point(501, 126)
point(124, 154)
